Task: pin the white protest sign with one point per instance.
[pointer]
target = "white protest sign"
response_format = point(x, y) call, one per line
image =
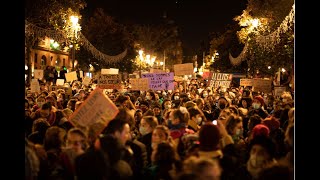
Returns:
point(60, 82)
point(86, 81)
point(71, 76)
point(81, 74)
point(34, 85)
point(95, 112)
point(110, 71)
point(38, 73)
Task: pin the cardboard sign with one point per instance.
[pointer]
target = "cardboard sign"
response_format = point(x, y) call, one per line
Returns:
point(183, 69)
point(156, 70)
point(95, 112)
point(178, 78)
point(60, 82)
point(71, 76)
point(110, 71)
point(38, 73)
point(246, 82)
point(86, 81)
point(81, 74)
point(160, 81)
point(34, 85)
point(141, 84)
point(262, 85)
point(109, 81)
point(279, 90)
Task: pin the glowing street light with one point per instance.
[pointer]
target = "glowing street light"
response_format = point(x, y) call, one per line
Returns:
point(75, 28)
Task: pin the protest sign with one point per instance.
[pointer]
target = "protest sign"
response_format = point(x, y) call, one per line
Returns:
point(246, 82)
point(160, 81)
point(109, 81)
point(110, 71)
point(71, 76)
point(34, 85)
point(183, 69)
point(86, 81)
point(38, 73)
point(220, 80)
point(141, 84)
point(60, 82)
point(94, 113)
point(262, 85)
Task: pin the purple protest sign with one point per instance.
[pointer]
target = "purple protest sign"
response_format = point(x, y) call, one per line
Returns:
point(160, 81)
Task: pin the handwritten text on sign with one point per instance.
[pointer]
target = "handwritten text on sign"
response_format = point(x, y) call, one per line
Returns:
point(96, 111)
point(109, 81)
point(221, 79)
point(160, 81)
point(141, 84)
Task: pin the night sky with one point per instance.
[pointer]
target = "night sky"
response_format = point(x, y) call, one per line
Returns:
point(195, 18)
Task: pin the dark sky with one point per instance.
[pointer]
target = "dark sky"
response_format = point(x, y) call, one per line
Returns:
point(195, 18)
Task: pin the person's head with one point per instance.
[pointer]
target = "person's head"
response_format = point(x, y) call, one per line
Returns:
point(120, 129)
point(40, 101)
point(156, 109)
point(163, 154)
point(289, 136)
point(177, 116)
point(41, 125)
point(147, 124)
point(200, 103)
point(223, 116)
point(77, 140)
point(52, 100)
point(204, 168)
point(257, 102)
point(68, 112)
point(245, 102)
point(204, 94)
point(259, 130)
point(234, 126)
point(276, 171)
point(45, 110)
point(195, 115)
point(175, 96)
point(160, 133)
point(150, 95)
point(209, 137)
point(253, 121)
point(144, 106)
point(72, 104)
point(262, 151)
point(54, 138)
point(166, 104)
point(291, 116)
point(222, 102)
point(272, 123)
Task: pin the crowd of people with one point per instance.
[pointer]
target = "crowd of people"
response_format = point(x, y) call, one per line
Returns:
point(192, 132)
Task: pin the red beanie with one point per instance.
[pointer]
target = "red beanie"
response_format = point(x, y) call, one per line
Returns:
point(272, 123)
point(260, 130)
point(260, 99)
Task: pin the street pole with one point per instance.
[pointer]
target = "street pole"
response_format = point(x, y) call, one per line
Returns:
point(164, 60)
point(73, 55)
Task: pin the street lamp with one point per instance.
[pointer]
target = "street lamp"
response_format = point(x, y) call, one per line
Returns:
point(75, 28)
